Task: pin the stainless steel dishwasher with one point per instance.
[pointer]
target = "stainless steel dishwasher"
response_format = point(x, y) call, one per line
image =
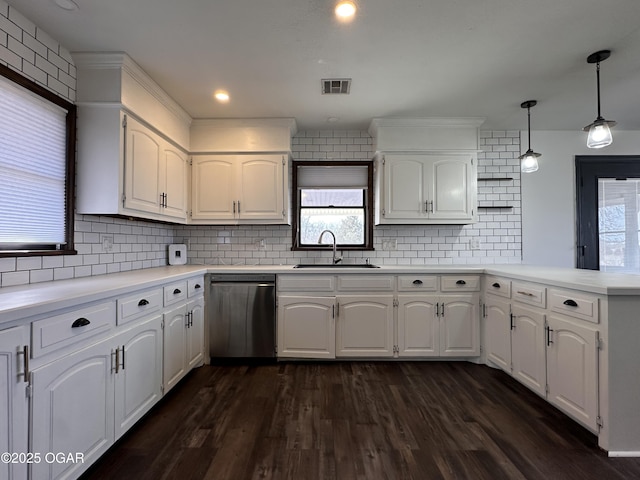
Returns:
point(242, 316)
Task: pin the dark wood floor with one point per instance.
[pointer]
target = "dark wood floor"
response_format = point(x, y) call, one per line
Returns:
point(358, 420)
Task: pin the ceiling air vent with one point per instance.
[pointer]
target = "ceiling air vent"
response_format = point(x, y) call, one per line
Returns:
point(331, 86)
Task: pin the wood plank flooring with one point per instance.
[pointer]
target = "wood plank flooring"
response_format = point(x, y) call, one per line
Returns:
point(357, 420)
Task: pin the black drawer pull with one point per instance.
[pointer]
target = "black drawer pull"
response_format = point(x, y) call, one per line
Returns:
point(177, 291)
point(570, 303)
point(81, 322)
point(461, 282)
point(143, 302)
point(496, 285)
point(417, 282)
point(197, 286)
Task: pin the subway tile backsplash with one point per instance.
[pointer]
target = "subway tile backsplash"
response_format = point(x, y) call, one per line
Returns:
point(496, 238)
point(133, 244)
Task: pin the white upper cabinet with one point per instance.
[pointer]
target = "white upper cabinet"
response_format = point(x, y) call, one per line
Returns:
point(240, 171)
point(132, 142)
point(429, 188)
point(155, 173)
point(426, 170)
point(230, 189)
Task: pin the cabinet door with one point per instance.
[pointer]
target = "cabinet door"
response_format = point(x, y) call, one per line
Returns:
point(213, 195)
point(306, 327)
point(195, 333)
point(72, 410)
point(138, 383)
point(13, 400)
point(364, 326)
point(141, 168)
point(497, 331)
point(418, 326)
point(572, 369)
point(173, 180)
point(527, 348)
point(459, 326)
point(175, 342)
point(261, 192)
point(404, 194)
point(451, 184)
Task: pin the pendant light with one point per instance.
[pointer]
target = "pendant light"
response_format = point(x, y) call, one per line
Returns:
point(600, 130)
point(529, 161)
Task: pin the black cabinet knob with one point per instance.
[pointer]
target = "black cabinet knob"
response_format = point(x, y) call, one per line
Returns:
point(461, 282)
point(143, 302)
point(417, 282)
point(177, 291)
point(570, 303)
point(496, 285)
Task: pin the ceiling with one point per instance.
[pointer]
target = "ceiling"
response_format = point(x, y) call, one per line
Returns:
point(407, 58)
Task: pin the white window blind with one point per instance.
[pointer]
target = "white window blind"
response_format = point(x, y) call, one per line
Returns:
point(32, 168)
point(348, 176)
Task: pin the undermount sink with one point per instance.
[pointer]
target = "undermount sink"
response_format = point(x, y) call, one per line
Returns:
point(335, 265)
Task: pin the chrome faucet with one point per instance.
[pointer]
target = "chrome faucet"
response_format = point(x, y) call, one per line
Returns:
point(335, 260)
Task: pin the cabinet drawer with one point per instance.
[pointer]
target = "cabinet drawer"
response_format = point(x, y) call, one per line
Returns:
point(498, 286)
point(366, 283)
point(460, 283)
point(529, 293)
point(575, 304)
point(138, 305)
point(175, 292)
point(195, 286)
point(66, 329)
point(419, 283)
point(306, 283)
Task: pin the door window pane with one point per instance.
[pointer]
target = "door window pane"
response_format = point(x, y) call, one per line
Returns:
point(618, 221)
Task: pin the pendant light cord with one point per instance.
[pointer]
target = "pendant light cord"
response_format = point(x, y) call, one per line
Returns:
point(529, 125)
point(598, 85)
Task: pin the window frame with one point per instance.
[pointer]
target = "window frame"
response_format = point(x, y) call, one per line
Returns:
point(296, 205)
point(32, 249)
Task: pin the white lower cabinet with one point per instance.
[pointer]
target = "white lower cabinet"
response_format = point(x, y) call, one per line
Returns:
point(85, 401)
point(418, 326)
point(553, 354)
point(460, 326)
point(14, 344)
point(72, 409)
point(527, 348)
point(514, 341)
point(183, 340)
point(195, 332)
point(364, 326)
point(139, 377)
point(572, 369)
point(175, 341)
point(497, 332)
point(438, 325)
point(306, 327)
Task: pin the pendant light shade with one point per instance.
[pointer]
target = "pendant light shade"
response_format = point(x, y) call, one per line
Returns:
point(600, 130)
point(529, 161)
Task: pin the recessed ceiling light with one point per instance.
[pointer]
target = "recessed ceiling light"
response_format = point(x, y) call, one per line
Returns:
point(345, 10)
point(221, 96)
point(68, 5)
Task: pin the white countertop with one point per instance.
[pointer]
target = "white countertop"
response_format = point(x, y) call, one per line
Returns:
point(35, 299)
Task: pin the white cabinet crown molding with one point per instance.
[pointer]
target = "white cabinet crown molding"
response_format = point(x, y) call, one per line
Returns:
point(426, 134)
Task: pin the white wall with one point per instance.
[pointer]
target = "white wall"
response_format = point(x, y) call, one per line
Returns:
point(548, 195)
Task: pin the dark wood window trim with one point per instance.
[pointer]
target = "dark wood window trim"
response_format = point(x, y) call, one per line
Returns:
point(295, 203)
point(68, 248)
